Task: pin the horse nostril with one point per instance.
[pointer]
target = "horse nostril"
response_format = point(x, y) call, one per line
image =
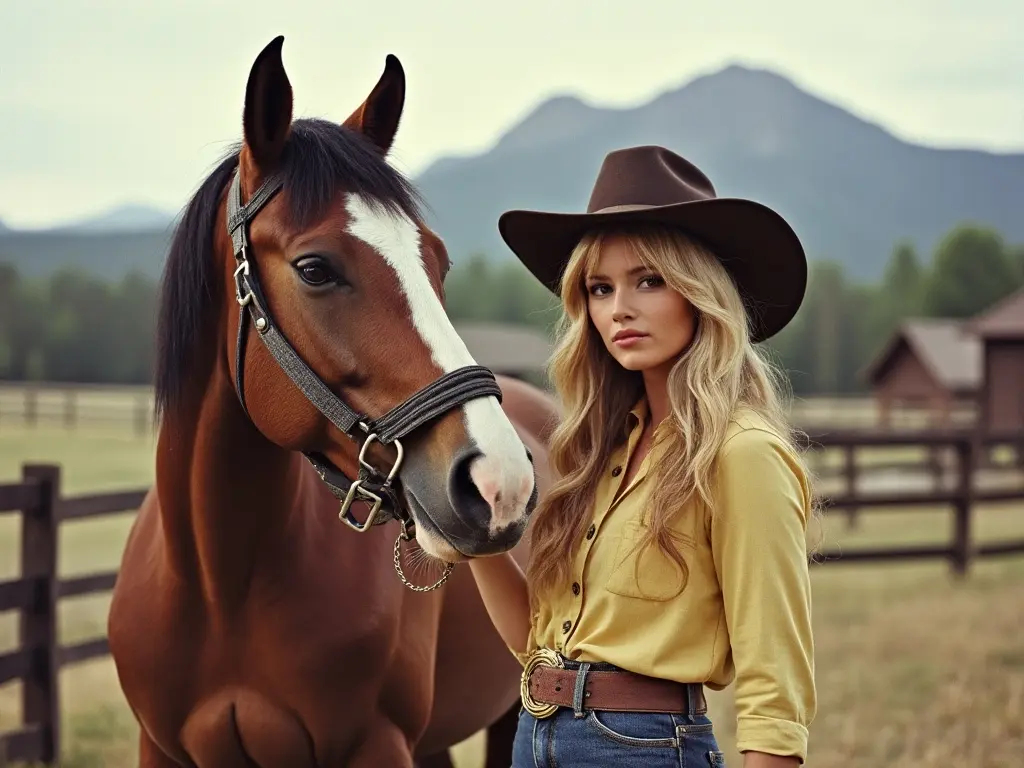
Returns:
point(466, 496)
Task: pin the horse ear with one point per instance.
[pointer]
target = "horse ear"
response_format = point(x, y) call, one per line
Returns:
point(267, 117)
point(377, 118)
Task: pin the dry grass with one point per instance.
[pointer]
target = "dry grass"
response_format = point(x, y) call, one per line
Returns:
point(915, 668)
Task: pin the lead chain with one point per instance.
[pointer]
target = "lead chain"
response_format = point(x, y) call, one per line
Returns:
point(398, 567)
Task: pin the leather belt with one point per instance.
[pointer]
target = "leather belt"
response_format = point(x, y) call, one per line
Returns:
point(547, 685)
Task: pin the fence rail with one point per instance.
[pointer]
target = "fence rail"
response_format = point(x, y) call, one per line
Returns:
point(38, 659)
point(129, 406)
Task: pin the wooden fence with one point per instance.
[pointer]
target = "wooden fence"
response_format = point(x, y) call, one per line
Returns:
point(38, 659)
point(83, 406)
point(40, 656)
point(75, 407)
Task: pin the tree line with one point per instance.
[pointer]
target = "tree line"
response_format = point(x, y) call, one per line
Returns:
point(77, 327)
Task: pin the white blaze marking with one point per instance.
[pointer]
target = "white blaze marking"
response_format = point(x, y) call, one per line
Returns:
point(503, 474)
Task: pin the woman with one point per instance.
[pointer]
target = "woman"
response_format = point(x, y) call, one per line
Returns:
point(670, 553)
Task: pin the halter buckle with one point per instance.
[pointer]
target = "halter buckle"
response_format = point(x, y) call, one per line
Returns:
point(357, 490)
point(242, 269)
point(345, 513)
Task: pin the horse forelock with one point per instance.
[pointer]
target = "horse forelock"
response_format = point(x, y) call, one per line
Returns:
point(321, 159)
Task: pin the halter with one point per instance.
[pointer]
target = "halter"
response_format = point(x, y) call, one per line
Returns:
point(450, 391)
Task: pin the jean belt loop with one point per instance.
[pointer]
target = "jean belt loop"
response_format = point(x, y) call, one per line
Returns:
point(691, 700)
point(579, 691)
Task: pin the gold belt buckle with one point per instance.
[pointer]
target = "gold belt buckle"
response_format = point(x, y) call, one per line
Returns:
point(542, 657)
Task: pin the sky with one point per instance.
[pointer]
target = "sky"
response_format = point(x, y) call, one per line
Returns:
point(106, 103)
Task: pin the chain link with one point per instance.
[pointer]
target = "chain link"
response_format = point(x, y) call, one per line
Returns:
point(398, 567)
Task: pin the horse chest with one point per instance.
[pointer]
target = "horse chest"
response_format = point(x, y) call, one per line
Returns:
point(299, 677)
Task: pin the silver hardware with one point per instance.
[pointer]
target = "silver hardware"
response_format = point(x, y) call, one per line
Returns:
point(364, 495)
point(394, 467)
point(398, 567)
point(242, 269)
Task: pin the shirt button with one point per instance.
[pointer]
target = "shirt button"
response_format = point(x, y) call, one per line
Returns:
point(566, 626)
point(590, 531)
point(575, 587)
point(617, 471)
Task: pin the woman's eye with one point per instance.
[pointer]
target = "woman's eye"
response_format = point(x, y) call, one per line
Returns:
point(651, 281)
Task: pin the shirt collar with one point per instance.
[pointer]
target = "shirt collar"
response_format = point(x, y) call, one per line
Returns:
point(638, 413)
point(635, 420)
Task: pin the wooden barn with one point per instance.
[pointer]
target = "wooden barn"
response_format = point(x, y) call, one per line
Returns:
point(928, 365)
point(1000, 330)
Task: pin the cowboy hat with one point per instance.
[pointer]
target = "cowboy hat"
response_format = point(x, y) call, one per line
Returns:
point(652, 185)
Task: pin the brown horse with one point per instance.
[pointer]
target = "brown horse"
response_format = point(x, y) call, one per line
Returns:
point(305, 357)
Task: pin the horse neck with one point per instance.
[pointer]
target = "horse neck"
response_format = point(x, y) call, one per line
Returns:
point(226, 493)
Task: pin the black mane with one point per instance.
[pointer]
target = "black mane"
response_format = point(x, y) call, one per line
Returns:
point(320, 159)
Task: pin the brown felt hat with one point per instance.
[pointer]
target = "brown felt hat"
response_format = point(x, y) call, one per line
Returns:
point(655, 186)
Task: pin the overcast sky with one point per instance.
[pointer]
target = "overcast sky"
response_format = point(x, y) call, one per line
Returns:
point(120, 101)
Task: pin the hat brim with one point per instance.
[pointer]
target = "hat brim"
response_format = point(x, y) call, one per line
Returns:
point(754, 243)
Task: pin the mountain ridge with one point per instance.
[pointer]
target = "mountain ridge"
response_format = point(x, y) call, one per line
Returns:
point(850, 186)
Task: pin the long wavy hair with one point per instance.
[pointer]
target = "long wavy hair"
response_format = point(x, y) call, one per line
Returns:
point(719, 372)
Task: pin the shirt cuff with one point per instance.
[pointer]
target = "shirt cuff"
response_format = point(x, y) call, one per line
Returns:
point(775, 737)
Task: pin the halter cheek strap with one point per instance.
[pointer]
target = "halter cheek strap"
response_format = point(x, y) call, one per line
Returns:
point(450, 391)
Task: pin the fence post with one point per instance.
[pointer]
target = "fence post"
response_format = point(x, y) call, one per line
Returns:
point(39, 535)
point(962, 545)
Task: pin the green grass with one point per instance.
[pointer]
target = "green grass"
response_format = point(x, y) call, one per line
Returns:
point(914, 667)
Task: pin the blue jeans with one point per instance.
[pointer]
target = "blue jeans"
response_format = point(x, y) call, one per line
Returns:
point(595, 738)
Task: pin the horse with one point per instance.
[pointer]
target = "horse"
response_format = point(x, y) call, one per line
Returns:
point(312, 394)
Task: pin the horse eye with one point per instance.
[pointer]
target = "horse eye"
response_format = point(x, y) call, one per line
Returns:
point(315, 272)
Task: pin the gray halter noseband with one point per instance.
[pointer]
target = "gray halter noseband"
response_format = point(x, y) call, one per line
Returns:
point(449, 391)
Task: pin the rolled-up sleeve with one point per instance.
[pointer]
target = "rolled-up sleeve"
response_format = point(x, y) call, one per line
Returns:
point(758, 529)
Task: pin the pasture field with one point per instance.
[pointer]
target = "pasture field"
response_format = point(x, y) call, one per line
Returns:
point(914, 667)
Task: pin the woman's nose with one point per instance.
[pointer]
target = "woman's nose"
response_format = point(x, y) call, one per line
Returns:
point(621, 308)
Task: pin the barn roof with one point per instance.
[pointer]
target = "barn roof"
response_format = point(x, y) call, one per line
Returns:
point(1003, 320)
point(506, 348)
point(950, 352)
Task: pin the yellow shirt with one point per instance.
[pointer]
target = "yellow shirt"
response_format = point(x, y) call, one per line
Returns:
point(744, 614)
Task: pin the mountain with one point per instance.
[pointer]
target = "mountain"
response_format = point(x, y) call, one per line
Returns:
point(125, 218)
point(109, 255)
point(127, 238)
point(850, 188)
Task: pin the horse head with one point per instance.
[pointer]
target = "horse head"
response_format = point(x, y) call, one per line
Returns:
point(326, 260)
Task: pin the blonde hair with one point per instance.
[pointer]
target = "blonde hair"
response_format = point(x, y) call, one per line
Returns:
point(719, 372)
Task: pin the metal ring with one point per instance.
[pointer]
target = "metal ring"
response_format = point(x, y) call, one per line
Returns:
point(394, 467)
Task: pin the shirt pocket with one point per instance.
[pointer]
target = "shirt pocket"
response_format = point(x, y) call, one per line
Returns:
point(657, 577)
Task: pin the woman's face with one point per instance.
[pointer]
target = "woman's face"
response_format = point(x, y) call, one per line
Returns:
point(645, 325)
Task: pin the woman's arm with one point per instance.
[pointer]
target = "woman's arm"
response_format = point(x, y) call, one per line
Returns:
point(502, 586)
point(758, 529)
